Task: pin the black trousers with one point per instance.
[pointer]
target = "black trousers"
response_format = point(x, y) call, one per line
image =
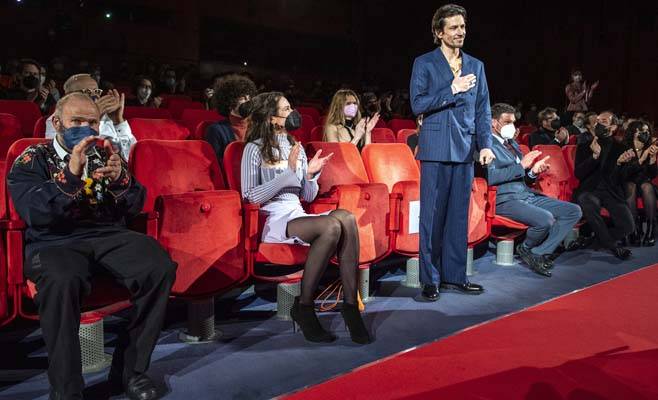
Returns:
point(620, 215)
point(62, 276)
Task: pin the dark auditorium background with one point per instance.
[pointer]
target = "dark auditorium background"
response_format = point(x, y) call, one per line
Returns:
point(529, 48)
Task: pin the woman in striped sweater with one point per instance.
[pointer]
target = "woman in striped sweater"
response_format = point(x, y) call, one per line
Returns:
point(275, 173)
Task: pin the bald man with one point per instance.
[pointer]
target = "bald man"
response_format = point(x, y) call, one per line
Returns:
point(75, 197)
point(111, 106)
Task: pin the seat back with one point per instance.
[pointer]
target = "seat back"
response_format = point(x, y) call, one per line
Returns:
point(317, 133)
point(176, 106)
point(167, 98)
point(163, 129)
point(478, 226)
point(555, 181)
point(190, 118)
point(524, 149)
point(303, 134)
point(10, 131)
point(311, 112)
point(232, 163)
point(345, 167)
point(397, 124)
point(27, 113)
point(526, 129)
point(40, 128)
point(146, 112)
point(173, 167)
point(390, 163)
point(569, 154)
point(403, 135)
point(15, 150)
point(382, 135)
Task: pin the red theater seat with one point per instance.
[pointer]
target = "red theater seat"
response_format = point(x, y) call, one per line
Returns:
point(10, 131)
point(191, 118)
point(146, 112)
point(382, 135)
point(40, 128)
point(524, 149)
point(176, 106)
point(555, 181)
point(303, 134)
point(317, 133)
point(310, 111)
point(569, 154)
point(403, 135)
point(27, 113)
point(397, 124)
point(164, 129)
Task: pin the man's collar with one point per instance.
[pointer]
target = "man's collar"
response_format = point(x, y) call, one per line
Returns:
point(500, 139)
point(61, 151)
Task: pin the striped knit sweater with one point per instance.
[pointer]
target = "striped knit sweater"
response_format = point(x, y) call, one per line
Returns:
point(267, 182)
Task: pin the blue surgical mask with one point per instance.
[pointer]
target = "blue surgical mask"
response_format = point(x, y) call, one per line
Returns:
point(75, 134)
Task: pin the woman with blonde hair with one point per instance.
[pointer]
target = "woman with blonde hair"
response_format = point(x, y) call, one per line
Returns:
point(344, 122)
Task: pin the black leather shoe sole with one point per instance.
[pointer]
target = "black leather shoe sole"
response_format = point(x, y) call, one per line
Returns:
point(463, 289)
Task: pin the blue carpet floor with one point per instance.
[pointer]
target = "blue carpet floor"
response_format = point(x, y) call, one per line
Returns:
point(259, 357)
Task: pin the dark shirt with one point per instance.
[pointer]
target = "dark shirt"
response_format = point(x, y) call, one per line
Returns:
point(543, 136)
point(602, 173)
point(219, 135)
point(59, 207)
point(632, 171)
point(412, 142)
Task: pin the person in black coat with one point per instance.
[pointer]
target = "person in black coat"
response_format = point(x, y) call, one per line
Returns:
point(598, 166)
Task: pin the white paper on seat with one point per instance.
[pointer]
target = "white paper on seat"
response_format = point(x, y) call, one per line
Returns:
point(414, 216)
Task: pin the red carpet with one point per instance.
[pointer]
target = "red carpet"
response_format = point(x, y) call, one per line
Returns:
point(599, 343)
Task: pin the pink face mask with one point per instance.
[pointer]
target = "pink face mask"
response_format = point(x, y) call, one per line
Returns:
point(350, 110)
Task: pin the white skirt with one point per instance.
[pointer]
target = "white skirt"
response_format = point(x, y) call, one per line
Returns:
point(279, 213)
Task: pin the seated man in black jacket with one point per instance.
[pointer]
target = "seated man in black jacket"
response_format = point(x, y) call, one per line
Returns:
point(598, 167)
point(75, 196)
point(550, 131)
point(229, 95)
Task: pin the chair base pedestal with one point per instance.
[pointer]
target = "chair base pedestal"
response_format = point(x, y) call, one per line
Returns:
point(200, 322)
point(571, 237)
point(92, 345)
point(364, 284)
point(470, 271)
point(285, 297)
point(505, 253)
point(412, 278)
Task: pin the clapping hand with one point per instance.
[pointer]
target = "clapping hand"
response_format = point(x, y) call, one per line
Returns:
point(78, 158)
point(317, 163)
point(528, 159)
point(625, 157)
point(112, 168)
point(541, 166)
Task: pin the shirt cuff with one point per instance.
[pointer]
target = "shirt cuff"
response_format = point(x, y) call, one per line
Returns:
point(122, 126)
point(314, 178)
point(531, 175)
point(67, 182)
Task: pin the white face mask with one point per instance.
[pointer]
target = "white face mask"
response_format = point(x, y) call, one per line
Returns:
point(144, 93)
point(42, 79)
point(507, 131)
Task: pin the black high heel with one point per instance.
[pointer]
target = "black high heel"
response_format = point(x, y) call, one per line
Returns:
point(354, 322)
point(635, 238)
point(650, 236)
point(308, 322)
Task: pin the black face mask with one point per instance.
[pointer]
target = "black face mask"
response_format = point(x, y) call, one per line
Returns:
point(293, 121)
point(644, 137)
point(601, 131)
point(372, 109)
point(555, 124)
point(30, 82)
point(244, 109)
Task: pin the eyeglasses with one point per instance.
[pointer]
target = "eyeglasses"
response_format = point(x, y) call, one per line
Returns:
point(92, 92)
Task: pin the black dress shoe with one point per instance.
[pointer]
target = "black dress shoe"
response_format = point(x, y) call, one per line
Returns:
point(141, 387)
point(621, 253)
point(55, 395)
point(581, 242)
point(549, 260)
point(649, 239)
point(536, 263)
point(430, 292)
point(465, 288)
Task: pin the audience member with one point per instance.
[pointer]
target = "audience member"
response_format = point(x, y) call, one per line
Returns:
point(344, 122)
point(232, 92)
point(578, 93)
point(75, 198)
point(412, 140)
point(275, 173)
point(550, 131)
point(143, 91)
point(637, 176)
point(549, 220)
point(27, 86)
point(597, 167)
point(112, 124)
point(577, 124)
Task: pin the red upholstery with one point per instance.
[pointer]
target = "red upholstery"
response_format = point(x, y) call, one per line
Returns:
point(479, 226)
point(394, 165)
point(10, 131)
point(311, 112)
point(192, 117)
point(569, 154)
point(524, 139)
point(317, 133)
point(177, 105)
point(146, 112)
point(526, 129)
point(524, 149)
point(397, 124)
point(26, 111)
point(4, 294)
point(344, 182)
point(573, 139)
point(382, 135)
point(381, 123)
point(40, 128)
point(555, 181)
point(303, 134)
point(164, 129)
point(198, 222)
point(501, 227)
point(403, 135)
point(167, 98)
point(257, 252)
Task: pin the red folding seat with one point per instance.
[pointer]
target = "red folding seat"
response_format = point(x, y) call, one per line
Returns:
point(526, 129)
point(311, 112)
point(555, 181)
point(192, 117)
point(317, 133)
point(10, 131)
point(163, 129)
point(176, 106)
point(344, 184)
point(40, 128)
point(569, 154)
point(479, 219)
point(381, 123)
point(146, 112)
point(200, 130)
point(524, 139)
point(303, 134)
point(403, 135)
point(26, 111)
point(524, 149)
point(382, 135)
point(397, 124)
point(573, 139)
point(199, 223)
point(5, 317)
point(504, 229)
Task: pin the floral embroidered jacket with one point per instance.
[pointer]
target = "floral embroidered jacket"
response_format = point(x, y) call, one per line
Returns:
point(59, 207)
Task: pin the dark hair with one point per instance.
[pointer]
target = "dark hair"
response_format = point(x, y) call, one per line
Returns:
point(228, 92)
point(588, 115)
point(29, 61)
point(543, 114)
point(439, 18)
point(138, 83)
point(261, 109)
point(499, 109)
point(633, 127)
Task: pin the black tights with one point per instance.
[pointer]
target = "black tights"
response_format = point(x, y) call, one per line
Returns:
point(336, 233)
point(648, 198)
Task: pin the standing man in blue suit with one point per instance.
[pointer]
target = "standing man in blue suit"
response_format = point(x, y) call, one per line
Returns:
point(449, 88)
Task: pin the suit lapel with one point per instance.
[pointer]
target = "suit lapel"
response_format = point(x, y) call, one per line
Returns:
point(442, 65)
point(467, 65)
